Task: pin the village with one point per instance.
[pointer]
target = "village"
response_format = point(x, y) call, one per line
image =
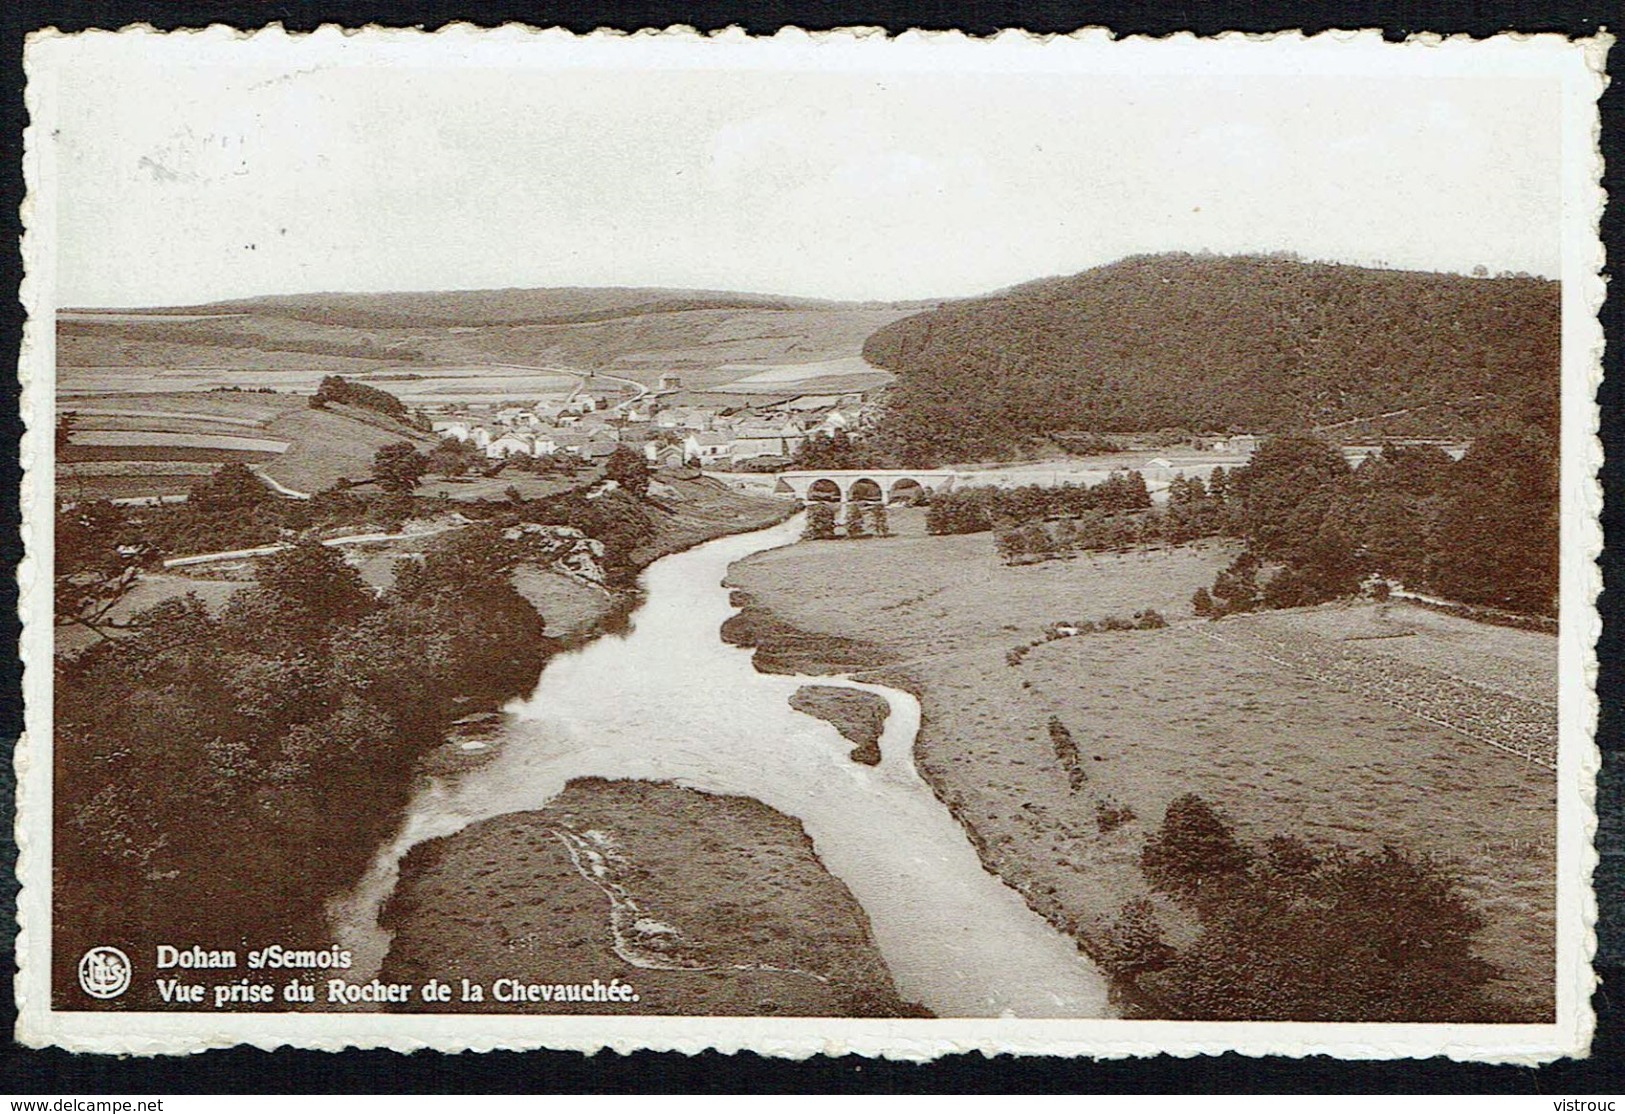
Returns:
point(669, 425)
point(756, 436)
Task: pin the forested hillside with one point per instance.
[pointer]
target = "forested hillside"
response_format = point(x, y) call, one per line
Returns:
point(1214, 343)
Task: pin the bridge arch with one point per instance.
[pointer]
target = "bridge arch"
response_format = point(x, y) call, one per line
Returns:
point(906, 491)
point(825, 491)
point(865, 490)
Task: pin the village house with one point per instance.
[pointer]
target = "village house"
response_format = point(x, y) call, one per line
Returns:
point(569, 441)
point(664, 456)
point(451, 427)
point(818, 404)
point(685, 417)
point(840, 418)
point(596, 423)
point(708, 447)
point(763, 439)
point(510, 444)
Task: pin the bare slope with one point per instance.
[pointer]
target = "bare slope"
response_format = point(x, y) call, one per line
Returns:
point(637, 332)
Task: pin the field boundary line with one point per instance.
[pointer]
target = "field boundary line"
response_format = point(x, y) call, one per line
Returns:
point(1298, 667)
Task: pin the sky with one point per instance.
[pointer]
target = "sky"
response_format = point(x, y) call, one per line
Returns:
point(185, 175)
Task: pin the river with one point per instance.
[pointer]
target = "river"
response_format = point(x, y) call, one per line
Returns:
point(669, 700)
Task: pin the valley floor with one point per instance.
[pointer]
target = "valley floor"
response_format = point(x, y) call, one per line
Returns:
point(1258, 714)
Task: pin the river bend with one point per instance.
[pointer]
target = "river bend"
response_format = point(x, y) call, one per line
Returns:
point(670, 701)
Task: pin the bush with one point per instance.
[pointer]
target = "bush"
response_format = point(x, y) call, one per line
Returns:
point(1110, 815)
point(1066, 752)
point(336, 388)
point(629, 469)
point(1194, 850)
point(1202, 603)
point(1345, 936)
point(398, 467)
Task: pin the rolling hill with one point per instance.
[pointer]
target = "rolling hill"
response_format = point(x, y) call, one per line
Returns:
point(1213, 343)
point(710, 337)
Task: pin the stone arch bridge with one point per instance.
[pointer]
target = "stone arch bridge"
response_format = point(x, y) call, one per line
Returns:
point(875, 485)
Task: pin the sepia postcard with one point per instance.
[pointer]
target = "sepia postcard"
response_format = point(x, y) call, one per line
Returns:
point(810, 544)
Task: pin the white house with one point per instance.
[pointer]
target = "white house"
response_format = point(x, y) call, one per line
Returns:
point(451, 427)
point(664, 456)
point(839, 418)
point(707, 447)
point(510, 444)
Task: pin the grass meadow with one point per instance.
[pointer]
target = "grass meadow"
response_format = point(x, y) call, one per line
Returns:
point(1159, 713)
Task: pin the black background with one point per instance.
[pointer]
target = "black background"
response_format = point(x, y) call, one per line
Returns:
point(25, 1072)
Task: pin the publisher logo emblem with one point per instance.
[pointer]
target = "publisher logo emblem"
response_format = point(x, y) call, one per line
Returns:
point(104, 972)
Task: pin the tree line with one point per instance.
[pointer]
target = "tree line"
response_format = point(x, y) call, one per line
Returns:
point(971, 510)
point(1482, 530)
point(219, 776)
point(348, 392)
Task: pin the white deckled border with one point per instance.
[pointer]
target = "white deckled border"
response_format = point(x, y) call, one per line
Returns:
point(1578, 64)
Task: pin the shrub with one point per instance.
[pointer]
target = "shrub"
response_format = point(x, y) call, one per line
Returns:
point(1346, 936)
point(1202, 603)
point(1194, 849)
point(629, 469)
point(1066, 752)
point(336, 388)
point(1110, 815)
point(398, 467)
